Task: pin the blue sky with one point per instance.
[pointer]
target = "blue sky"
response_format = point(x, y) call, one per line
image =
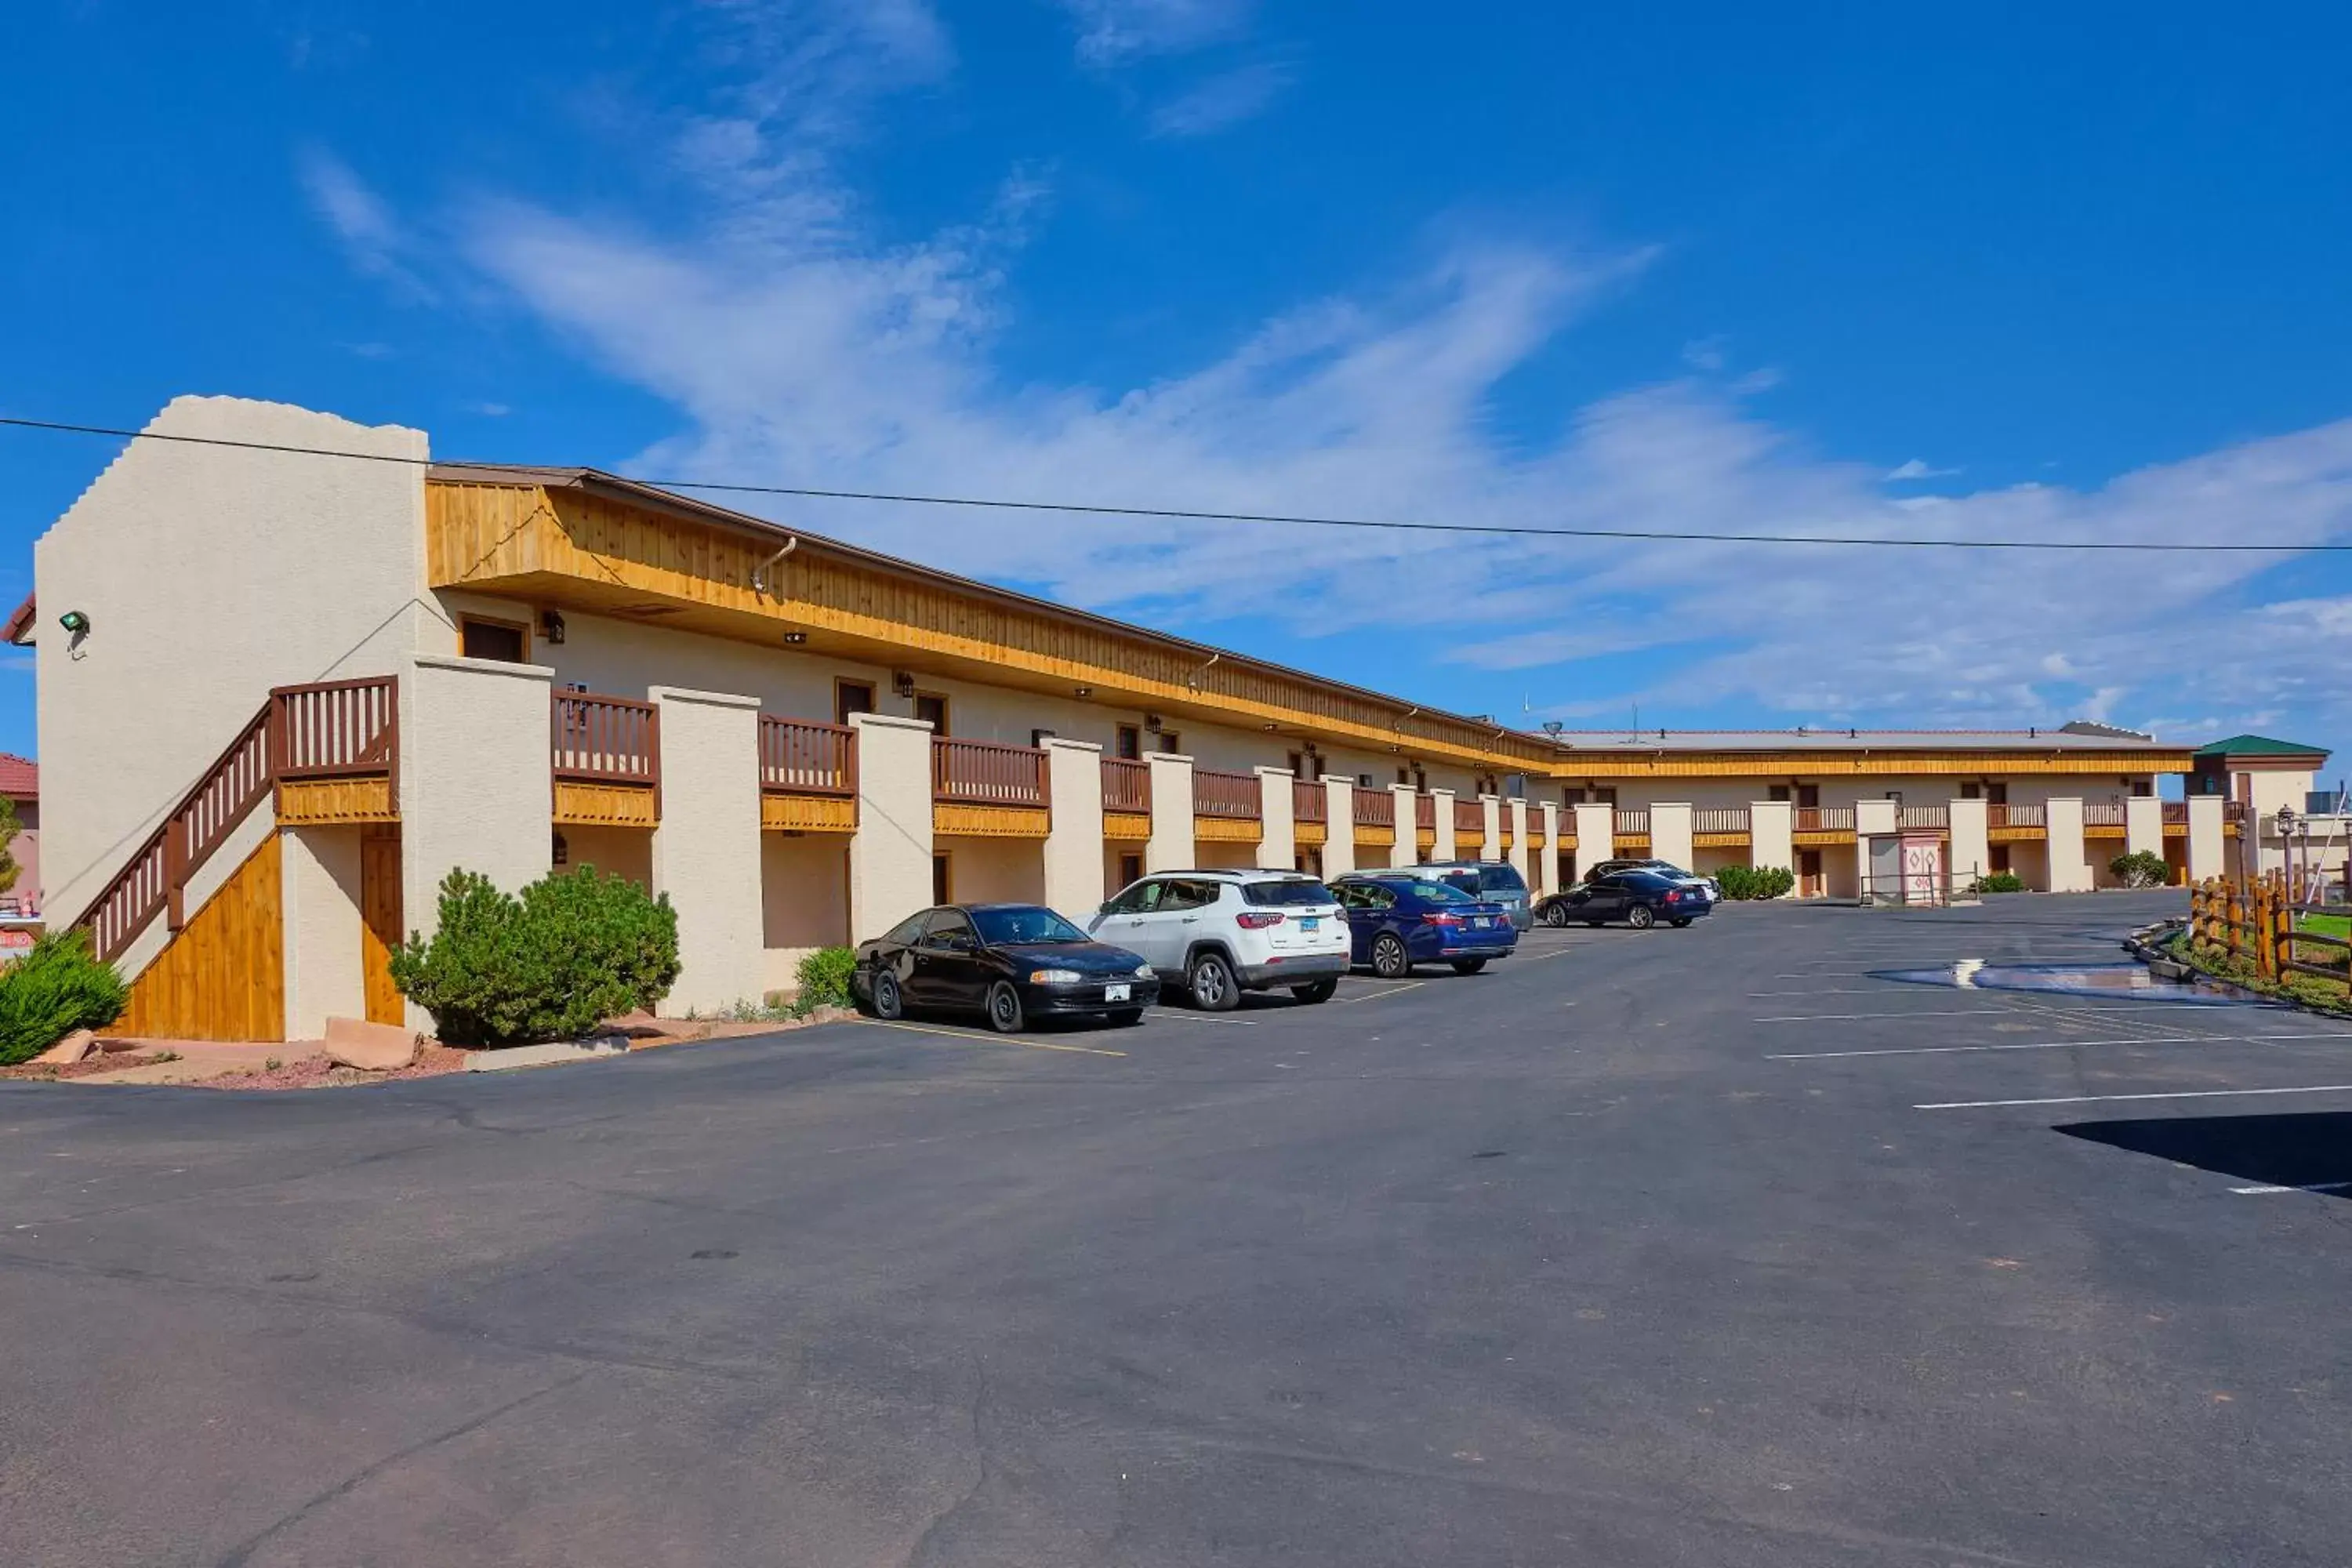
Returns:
point(1703, 266)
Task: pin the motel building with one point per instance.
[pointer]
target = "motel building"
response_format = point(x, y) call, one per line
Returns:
point(281, 696)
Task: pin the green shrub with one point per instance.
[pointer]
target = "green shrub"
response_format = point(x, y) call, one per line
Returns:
point(57, 987)
point(2141, 868)
point(575, 948)
point(824, 979)
point(1998, 882)
point(1754, 881)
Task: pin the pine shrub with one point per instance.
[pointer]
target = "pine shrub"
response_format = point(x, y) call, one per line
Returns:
point(58, 986)
point(1754, 881)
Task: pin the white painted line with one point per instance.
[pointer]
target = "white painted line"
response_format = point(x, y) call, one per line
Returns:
point(2012, 1007)
point(2265, 1192)
point(1168, 1015)
point(1410, 985)
point(2037, 1045)
point(2106, 1098)
point(1555, 952)
point(1836, 991)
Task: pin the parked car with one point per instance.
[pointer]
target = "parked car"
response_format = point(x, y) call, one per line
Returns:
point(1496, 881)
point(1667, 867)
point(1400, 919)
point(1219, 933)
point(1011, 963)
point(1640, 898)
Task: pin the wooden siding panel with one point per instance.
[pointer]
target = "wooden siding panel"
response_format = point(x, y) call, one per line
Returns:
point(949, 820)
point(380, 926)
point(224, 976)
point(603, 805)
point(1226, 830)
point(807, 813)
point(304, 802)
point(1125, 826)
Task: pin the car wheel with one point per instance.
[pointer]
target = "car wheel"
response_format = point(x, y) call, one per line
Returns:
point(1679, 924)
point(1555, 914)
point(1468, 966)
point(1316, 990)
point(1640, 918)
point(1390, 959)
point(888, 1005)
point(1127, 1017)
point(1213, 985)
point(1004, 1013)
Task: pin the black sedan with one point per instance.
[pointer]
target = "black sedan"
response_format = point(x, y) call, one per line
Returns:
point(1009, 963)
point(1641, 899)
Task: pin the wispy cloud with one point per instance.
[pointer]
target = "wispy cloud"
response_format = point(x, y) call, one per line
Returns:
point(1113, 32)
point(1222, 102)
point(1917, 468)
point(370, 234)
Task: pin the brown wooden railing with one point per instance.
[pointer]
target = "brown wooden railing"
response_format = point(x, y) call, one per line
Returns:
point(803, 756)
point(336, 729)
point(1126, 785)
point(605, 740)
point(1469, 817)
point(1424, 812)
point(1230, 796)
point(2233, 811)
point(1309, 801)
point(2176, 812)
point(1822, 819)
point(1719, 819)
point(2104, 813)
point(1923, 816)
point(982, 772)
point(2000, 813)
point(1633, 820)
point(1374, 807)
point(2259, 920)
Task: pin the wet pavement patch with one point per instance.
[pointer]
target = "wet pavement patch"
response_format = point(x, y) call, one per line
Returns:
point(2130, 982)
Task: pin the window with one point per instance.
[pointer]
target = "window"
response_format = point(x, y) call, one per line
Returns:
point(1298, 765)
point(942, 879)
point(1997, 792)
point(1501, 880)
point(932, 709)
point(1137, 897)
point(1971, 789)
point(1895, 795)
point(1189, 893)
point(905, 932)
point(1172, 742)
point(1421, 781)
point(1286, 892)
point(1363, 781)
point(2142, 788)
point(1809, 796)
point(853, 696)
point(1130, 744)
point(1778, 792)
point(1130, 869)
point(508, 642)
point(948, 928)
point(1007, 928)
point(1572, 796)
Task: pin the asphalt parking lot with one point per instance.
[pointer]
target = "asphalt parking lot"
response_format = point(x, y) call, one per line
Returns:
point(1711, 1247)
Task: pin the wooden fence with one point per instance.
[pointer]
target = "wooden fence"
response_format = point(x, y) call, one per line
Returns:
point(1127, 785)
point(982, 772)
point(1309, 800)
point(1232, 796)
point(1374, 807)
point(2258, 921)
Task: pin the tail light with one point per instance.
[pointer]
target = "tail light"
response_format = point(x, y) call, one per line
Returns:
point(1673, 895)
point(1258, 919)
point(1438, 919)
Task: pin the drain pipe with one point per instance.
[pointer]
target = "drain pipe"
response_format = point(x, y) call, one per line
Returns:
point(760, 572)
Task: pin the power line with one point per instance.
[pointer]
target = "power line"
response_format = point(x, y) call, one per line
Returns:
point(1180, 514)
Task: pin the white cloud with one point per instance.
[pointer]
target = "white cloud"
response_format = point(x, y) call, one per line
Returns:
point(1113, 32)
point(1918, 469)
point(1222, 102)
point(370, 234)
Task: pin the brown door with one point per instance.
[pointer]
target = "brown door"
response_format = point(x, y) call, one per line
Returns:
point(380, 917)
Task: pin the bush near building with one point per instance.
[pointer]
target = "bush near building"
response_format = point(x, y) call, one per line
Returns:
point(2140, 869)
point(57, 987)
point(575, 948)
point(1998, 882)
point(824, 978)
point(1754, 881)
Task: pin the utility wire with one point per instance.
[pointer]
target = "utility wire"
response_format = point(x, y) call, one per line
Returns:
point(1180, 514)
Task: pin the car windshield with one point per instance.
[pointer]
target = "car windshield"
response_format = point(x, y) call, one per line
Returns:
point(1289, 891)
point(1463, 882)
point(1501, 880)
point(1440, 893)
point(1022, 925)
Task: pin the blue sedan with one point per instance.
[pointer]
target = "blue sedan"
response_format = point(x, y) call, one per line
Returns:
point(1398, 920)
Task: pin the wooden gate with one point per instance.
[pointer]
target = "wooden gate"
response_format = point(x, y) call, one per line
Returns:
point(380, 923)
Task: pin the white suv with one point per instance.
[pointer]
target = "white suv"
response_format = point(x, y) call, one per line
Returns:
point(1219, 933)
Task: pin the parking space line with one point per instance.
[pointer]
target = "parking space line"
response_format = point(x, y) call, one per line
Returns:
point(2112, 1098)
point(1408, 985)
point(991, 1039)
point(1172, 1017)
point(2012, 1007)
point(2038, 1046)
point(2265, 1190)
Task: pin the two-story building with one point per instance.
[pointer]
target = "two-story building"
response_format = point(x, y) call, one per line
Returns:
point(2271, 790)
point(283, 694)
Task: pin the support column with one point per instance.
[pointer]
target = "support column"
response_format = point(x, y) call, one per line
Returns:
point(1074, 839)
point(1490, 827)
point(2208, 854)
point(1971, 844)
point(2144, 826)
point(1339, 825)
point(890, 852)
point(1596, 836)
point(1546, 878)
point(1517, 810)
point(1277, 843)
point(319, 892)
point(1444, 817)
point(1670, 833)
point(707, 845)
point(1771, 836)
point(1406, 850)
point(1170, 847)
point(2070, 871)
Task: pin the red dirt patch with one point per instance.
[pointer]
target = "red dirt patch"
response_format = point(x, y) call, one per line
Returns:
point(96, 1062)
point(321, 1072)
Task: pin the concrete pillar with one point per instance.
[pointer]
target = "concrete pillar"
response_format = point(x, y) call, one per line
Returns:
point(1277, 844)
point(890, 852)
point(1772, 835)
point(1490, 829)
point(476, 790)
point(1972, 843)
point(1517, 809)
point(1874, 818)
point(2208, 854)
point(2070, 870)
point(1074, 841)
point(1447, 849)
point(1670, 833)
point(1170, 847)
point(707, 845)
point(1339, 825)
point(1547, 876)
point(319, 888)
point(1406, 850)
point(2144, 826)
point(1596, 836)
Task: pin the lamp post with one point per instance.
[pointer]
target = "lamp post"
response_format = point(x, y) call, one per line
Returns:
point(2288, 820)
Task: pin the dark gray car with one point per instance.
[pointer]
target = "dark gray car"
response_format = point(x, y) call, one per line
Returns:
point(1495, 881)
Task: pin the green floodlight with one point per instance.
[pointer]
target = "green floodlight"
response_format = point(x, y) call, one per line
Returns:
point(75, 622)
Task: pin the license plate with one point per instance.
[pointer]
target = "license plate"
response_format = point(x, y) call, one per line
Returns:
point(1310, 922)
point(1480, 921)
point(1115, 992)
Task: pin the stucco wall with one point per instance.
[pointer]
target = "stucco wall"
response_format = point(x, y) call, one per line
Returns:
point(997, 871)
point(320, 889)
point(615, 851)
point(804, 900)
point(1072, 851)
point(890, 852)
point(705, 851)
point(209, 575)
point(474, 790)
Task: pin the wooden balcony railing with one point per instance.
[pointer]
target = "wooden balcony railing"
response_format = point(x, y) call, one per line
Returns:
point(1469, 817)
point(336, 729)
point(1924, 817)
point(803, 756)
point(1127, 785)
point(1309, 801)
point(1633, 820)
point(2104, 813)
point(2176, 813)
point(2233, 811)
point(1232, 795)
point(2000, 813)
point(982, 772)
point(1375, 807)
point(1719, 819)
point(1823, 819)
point(1424, 812)
point(605, 740)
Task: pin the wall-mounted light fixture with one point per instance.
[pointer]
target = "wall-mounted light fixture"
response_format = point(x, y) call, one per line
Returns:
point(1152, 722)
point(550, 626)
point(794, 640)
point(902, 683)
point(1082, 692)
point(75, 622)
